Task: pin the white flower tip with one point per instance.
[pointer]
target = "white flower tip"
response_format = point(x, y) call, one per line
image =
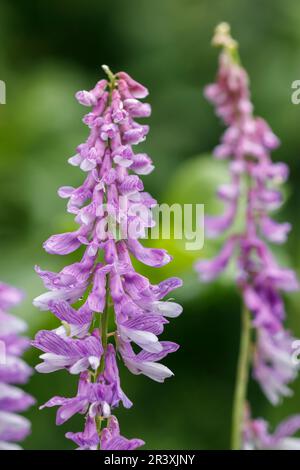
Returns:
point(75, 160)
point(167, 258)
point(94, 362)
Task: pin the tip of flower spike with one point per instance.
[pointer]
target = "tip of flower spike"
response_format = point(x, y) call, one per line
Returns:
point(108, 72)
point(223, 38)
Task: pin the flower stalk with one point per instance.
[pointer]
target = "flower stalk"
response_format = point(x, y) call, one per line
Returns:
point(247, 144)
point(242, 376)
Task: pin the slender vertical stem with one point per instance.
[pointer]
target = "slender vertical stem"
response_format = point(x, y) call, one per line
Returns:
point(241, 382)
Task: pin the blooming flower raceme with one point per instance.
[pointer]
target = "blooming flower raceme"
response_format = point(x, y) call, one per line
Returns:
point(103, 304)
point(253, 189)
point(13, 371)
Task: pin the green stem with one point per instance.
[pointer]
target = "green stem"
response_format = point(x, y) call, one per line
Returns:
point(109, 74)
point(241, 382)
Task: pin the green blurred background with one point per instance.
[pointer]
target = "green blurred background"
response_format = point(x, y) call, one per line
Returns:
point(51, 49)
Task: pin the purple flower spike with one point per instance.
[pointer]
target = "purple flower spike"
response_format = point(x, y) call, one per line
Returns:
point(113, 212)
point(112, 440)
point(247, 144)
point(13, 427)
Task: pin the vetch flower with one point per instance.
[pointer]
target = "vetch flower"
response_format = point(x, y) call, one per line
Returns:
point(256, 435)
point(105, 307)
point(110, 438)
point(13, 370)
point(253, 191)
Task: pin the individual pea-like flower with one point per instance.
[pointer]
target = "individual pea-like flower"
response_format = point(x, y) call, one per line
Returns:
point(103, 289)
point(253, 191)
point(13, 371)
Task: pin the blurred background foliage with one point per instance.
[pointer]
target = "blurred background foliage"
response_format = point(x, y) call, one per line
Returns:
point(51, 49)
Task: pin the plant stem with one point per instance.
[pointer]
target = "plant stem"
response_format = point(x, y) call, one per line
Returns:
point(241, 381)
